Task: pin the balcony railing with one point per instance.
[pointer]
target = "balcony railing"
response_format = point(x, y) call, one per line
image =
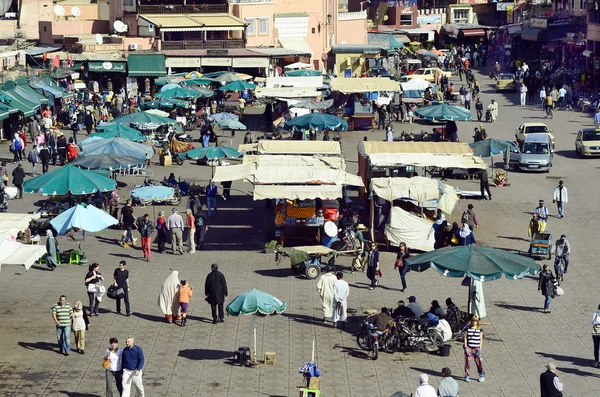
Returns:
point(181, 9)
point(202, 45)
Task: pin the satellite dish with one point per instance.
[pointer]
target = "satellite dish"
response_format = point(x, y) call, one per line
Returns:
point(75, 11)
point(98, 38)
point(343, 42)
point(119, 26)
point(59, 10)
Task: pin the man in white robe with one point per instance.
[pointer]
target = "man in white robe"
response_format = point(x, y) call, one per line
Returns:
point(341, 290)
point(325, 288)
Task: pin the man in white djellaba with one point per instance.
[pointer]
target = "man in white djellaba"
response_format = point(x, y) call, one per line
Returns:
point(341, 290)
point(325, 288)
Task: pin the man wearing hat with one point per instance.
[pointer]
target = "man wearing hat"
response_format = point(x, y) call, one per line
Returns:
point(341, 290)
point(542, 212)
point(550, 384)
point(325, 287)
point(175, 226)
point(414, 306)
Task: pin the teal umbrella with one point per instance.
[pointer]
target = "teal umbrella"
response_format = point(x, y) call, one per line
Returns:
point(118, 146)
point(227, 77)
point(144, 120)
point(206, 92)
point(229, 124)
point(108, 162)
point(255, 302)
point(213, 152)
point(490, 147)
point(443, 112)
point(107, 131)
point(69, 180)
point(199, 81)
point(167, 103)
point(238, 85)
point(302, 73)
point(179, 93)
point(319, 121)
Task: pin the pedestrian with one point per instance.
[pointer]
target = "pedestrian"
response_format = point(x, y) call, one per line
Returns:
point(201, 228)
point(44, 157)
point(51, 261)
point(535, 227)
point(373, 266)
point(115, 369)
point(484, 185)
point(400, 265)
point(88, 121)
point(190, 224)
point(175, 226)
point(466, 236)
point(341, 290)
point(61, 147)
point(168, 299)
point(550, 384)
point(325, 287)
point(161, 229)
point(4, 173)
point(470, 218)
point(146, 229)
point(493, 107)
point(215, 289)
point(80, 321)
point(133, 362)
point(523, 91)
point(473, 344)
point(479, 108)
point(127, 221)
point(562, 250)
point(16, 147)
point(448, 387)
point(389, 134)
point(542, 212)
point(561, 197)
point(33, 158)
point(18, 179)
point(62, 314)
point(92, 278)
point(211, 197)
point(121, 279)
point(546, 286)
point(424, 389)
point(71, 150)
point(453, 315)
point(468, 101)
point(185, 293)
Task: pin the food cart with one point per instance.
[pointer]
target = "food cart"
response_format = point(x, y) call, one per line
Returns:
point(412, 65)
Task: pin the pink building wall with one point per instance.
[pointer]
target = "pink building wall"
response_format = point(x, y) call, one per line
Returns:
point(51, 30)
point(257, 10)
point(33, 11)
point(353, 31)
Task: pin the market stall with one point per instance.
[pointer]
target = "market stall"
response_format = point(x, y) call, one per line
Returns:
point(15, 253)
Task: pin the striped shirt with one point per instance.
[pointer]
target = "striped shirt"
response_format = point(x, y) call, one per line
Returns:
point(63, 314)
point(474, 338)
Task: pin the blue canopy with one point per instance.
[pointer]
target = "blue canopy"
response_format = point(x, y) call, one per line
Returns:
point(443, 112)
point(118, 146)
point(85, 217)
point(319, 121)
point(149, 193)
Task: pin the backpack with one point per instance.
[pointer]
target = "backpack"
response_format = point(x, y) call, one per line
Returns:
point(199, 222)
point(17, 144)
point(465, 217)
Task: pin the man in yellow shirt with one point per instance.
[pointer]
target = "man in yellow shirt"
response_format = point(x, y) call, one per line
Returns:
point(548, 103)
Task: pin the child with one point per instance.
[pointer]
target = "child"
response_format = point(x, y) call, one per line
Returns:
point(185, 293)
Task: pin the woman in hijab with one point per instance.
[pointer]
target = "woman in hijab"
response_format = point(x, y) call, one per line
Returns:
point(465, 236)
point(453, 234)
point(168, 300)
point(51, 250)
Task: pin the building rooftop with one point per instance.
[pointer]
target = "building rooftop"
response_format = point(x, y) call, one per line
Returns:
point(356, 49)
point(193, 21)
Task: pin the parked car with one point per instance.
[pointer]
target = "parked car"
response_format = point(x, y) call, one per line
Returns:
point(379, 71)
point(587, 142)
point(536, 153)
point(427, 74)
point(533, 128)
point(506, 82)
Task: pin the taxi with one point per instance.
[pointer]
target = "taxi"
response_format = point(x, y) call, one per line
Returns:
point(506, 82)
point(587, 142)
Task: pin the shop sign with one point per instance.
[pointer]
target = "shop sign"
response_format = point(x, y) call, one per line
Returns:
point(106, 66)
point(427, 19)
point(539, 23)
point(215, 61)
point(503, 6)
point(217, 53)
point(182, 62)
point(556, 22)
point(406, 11)
point(250, 62)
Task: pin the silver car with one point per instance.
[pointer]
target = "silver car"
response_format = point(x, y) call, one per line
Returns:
point(536, 153)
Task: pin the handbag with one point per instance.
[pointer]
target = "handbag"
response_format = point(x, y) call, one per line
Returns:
point(91, 287)
point(114, 292)
point(106, 363)
point(398, 263)
point(378, 273)
point(454, 239)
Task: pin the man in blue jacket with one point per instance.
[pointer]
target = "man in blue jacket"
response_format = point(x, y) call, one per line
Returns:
point(133, 362)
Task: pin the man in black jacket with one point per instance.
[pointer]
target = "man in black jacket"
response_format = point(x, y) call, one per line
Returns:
point(44, 157)
point(61, 147)
point(215, 289)
point(18, 178)
point(550, 385)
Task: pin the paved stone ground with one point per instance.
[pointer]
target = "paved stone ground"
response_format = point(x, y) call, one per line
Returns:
point(519, 339)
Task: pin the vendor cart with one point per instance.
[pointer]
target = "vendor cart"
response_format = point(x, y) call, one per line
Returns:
point(541, 245)
point(309, 260)
point(362, 122)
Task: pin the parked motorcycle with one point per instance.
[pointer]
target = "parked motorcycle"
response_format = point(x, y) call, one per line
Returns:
point(368, 338)
point(401, 337)
point(488, 115)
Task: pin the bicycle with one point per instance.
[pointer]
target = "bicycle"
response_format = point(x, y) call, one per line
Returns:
point(548, 112)
point(559, 268)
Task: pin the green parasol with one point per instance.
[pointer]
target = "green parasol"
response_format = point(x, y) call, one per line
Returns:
point(107, 131)
point(69, 180)
point(238, 85)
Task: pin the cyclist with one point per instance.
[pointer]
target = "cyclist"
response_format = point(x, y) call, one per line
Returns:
point(562, 249)
point(548, 104)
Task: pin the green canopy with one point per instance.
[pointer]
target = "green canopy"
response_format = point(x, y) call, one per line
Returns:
point(144, 120)
point(106, 131)
point(230, 124)
point(395, 44)
point(443, 112)
point(212, 152)
point(22, 88)
point(167, 103)
point(199, 81)
point(302, 73)
point(238, 85)
point(227, 77)
point(319, 121)
point(180, 93)
point(489, 147)
point(69, 179)
point(206, 92)
point(25, 106)
point(480, 263)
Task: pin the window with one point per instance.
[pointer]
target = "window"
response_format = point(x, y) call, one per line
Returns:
point(406, 20)
point(581, 5)
point(251, 28)
point(461, 16)
point(263, 25)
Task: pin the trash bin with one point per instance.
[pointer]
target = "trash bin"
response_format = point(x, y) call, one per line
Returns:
point(445, 350)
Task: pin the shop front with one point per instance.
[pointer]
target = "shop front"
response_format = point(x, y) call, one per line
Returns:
point(142, 69)
point(110, 75)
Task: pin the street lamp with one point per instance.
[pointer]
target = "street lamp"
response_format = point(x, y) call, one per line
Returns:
point(323, 24)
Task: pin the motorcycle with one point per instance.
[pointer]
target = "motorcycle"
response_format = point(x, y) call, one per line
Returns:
point(368, 338)
point(488, 115)
point(346, 243)
point(425, 337)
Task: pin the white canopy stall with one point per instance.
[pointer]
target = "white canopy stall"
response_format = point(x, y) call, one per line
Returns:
point(14, 253)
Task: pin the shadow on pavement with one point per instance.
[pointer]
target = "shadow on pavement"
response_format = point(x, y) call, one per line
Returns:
point(515, 238)
point(149, 317)
point(427, 371)
point(353, 352)
point(279, 273)
point(205, 354)
point(75, 394)
point(578, 361)
point(309, 320)
point(367, 285)
point(578, 372)
point(39, 346)
point(520, 308)
point(569, 154)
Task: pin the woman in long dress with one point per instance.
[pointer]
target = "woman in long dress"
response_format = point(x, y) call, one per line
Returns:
point(168, 300)
point(477, 299)
point(51, 250)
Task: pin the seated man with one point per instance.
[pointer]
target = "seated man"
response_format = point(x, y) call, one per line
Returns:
point(402, 311)
point(171, 180)
point(381, 320)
